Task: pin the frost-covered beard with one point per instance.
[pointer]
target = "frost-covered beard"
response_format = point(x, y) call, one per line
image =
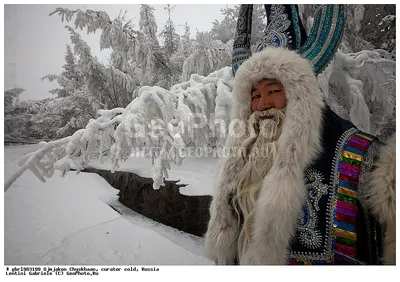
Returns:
point(261, 146)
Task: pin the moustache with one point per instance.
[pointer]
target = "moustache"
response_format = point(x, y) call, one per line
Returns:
point(273, 115)
point(276, 115)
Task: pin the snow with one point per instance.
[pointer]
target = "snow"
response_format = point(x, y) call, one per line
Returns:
point(70, 221)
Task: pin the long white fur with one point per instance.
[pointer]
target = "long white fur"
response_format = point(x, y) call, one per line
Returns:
point(223, 229)
point(283, 192)
point(382, 197)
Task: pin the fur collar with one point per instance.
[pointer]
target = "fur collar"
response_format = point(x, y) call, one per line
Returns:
point(282, 191)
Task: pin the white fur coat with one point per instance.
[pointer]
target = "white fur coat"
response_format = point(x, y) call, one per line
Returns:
point(282, 192)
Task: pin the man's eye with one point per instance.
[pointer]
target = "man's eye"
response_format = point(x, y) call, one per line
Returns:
point(275, 91)
point(255, 97)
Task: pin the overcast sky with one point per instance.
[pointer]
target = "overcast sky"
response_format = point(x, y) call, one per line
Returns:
point(35, 43)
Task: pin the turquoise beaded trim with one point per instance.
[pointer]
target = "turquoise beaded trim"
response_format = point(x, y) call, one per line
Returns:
point(324, 37)
point(297, 32)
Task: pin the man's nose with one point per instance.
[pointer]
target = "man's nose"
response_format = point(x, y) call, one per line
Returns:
point(264, 103)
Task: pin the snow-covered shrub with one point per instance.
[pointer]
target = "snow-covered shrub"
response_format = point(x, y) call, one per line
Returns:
point(361, 87)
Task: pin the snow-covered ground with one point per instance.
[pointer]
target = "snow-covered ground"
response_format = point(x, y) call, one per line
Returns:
point(78, 220)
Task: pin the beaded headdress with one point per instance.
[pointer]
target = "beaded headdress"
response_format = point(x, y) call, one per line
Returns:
point(285, 29)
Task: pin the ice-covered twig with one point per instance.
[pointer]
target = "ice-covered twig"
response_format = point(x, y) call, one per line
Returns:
point(29, 163)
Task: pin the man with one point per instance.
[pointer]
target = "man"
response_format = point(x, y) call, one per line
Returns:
point(304, 190)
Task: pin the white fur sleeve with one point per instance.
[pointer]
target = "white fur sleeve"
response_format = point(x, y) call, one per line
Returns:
point(223, 228)
point(382, 197)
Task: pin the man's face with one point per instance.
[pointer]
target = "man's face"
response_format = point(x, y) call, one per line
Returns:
point(267, 94)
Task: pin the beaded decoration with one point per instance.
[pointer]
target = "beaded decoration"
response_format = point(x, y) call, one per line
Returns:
point(310, 236)
point(241, 49)
point(345, 213)
point(276, 34)
point(340, 246)
point(297, 32)
point(324, 36)
point(284, 29)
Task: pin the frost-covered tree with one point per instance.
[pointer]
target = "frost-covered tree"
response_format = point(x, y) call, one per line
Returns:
point(70, 78)
point(186, 45)
point(30, 122)
point(158, 121)
point(176, 60)
point(74, 113)
point(148, 25)
point(12, 115)
point(225, 30)
point(137, 59)
point(149, 55)
point(209, 55)
point(70, 68)
point(361, 87)
point(73, 106)
point(10, 97)
point(258, 24)
point(213, 50)
point(354, 14)
point(171, 48)
point(171, 38)
point(378, 26)
point(106, 86)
